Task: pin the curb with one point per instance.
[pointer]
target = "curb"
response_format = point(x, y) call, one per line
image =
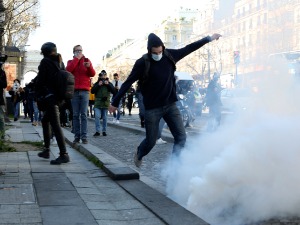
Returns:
point(114, 168)
point(127, 178)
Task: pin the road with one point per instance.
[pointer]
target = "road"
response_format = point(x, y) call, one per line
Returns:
point(122, 140)
point(122, 143)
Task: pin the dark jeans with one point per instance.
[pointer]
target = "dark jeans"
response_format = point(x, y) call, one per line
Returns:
point(215, 116)
point(173, 118)
point(51, 117)
point(129, 104)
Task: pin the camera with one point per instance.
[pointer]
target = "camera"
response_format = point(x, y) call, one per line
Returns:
point(104, 99)
point(103, 79)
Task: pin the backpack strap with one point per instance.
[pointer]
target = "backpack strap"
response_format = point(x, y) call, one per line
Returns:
point(144, 76)
point(167, 53)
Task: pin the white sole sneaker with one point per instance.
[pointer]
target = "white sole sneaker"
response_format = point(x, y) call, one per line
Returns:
point(160, 142)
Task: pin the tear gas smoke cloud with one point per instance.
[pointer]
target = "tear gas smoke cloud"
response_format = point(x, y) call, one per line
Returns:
point(246, 171)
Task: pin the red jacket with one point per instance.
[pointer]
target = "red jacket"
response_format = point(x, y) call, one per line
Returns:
point(81, 73)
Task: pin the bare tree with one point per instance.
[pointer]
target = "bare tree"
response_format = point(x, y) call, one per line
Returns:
point(21, 19)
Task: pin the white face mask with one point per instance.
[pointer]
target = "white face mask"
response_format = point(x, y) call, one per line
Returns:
point(157, 57)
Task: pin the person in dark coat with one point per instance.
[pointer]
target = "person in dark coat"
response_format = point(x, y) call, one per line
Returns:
point(213, 102)
point(159, 92)
point(102, 90)
point(130, 95)
point(3, 84)
point(45, 89)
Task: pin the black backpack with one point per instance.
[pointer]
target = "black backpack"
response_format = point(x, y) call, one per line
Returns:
point(64, 83)
point(143, 79)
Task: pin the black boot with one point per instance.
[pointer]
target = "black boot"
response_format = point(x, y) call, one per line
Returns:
point(45, 153)
point(63, 158)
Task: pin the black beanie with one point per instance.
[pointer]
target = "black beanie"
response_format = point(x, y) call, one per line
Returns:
point(154, 41)
point(47, 48)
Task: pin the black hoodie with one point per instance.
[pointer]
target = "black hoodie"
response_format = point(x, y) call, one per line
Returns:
point(160, 89)
point(44, 82)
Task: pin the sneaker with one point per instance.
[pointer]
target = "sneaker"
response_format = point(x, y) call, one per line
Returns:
point(114, 120)
point(76, 140)
point(137, 162)
point(104, 134)
point(84, 141)
point(118, 121)
point(61, 159)
point(45, 153)
point(96, 134)
point(160, 141)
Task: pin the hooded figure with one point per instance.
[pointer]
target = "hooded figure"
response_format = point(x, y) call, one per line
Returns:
point(159, 92)
point(154, 41)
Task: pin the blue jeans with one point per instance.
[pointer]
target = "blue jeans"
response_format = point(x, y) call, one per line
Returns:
point(80, 103)
point(35, 112)
point(16, 110)
point(102, 112)
point(173, 118)
point(118, 114)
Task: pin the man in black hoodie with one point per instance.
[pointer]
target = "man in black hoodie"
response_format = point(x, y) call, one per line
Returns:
point(45, 89)
point(159, 92)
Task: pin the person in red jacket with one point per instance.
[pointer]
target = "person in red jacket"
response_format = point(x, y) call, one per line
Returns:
point(82, 69)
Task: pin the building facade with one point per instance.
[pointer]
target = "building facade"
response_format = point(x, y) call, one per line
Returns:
point(252, 31)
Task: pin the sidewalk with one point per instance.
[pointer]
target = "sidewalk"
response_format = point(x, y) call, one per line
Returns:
point(34, 192)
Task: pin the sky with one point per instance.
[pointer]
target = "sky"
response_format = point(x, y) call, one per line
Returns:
point(99, 25)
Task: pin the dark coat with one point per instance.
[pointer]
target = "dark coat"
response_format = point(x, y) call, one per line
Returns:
point(161, 88)
point(3, 84)
point(44, 82)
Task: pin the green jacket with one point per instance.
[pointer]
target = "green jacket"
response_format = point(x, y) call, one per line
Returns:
point(102, 94)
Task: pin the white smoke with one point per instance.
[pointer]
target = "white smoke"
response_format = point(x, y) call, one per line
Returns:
point(246, 171)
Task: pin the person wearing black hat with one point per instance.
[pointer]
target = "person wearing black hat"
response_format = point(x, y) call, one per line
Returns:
point(45, 86)
point(102, 90)
point(159, 91)
point(213, 102)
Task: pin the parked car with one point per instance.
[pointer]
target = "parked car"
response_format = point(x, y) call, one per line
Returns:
point(235, 99)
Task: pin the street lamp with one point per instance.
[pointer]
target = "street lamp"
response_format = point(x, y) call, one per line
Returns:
point(2, 20)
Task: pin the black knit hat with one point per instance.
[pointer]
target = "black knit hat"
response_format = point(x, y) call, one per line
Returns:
point(48, 47)
point(154, 41)
point(103, 72)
